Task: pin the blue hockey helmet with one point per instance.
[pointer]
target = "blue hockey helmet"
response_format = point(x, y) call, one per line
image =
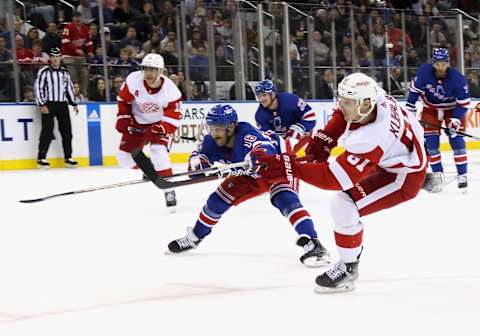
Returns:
point(265, 85)
point(440, 55)
point(221, 115)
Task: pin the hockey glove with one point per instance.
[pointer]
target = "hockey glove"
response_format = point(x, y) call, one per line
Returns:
point(280, 168)
point(124, 121)
point(156, 132)
point(453, 127)
point(319, 146)
point(198, 162)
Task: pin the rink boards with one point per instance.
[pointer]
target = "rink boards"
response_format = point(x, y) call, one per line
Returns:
point(95, 140)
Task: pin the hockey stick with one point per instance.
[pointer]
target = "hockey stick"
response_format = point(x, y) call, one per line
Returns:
point(121, 184)
point(81, 191)
point(142, 131)
point(446, 129)
point(148, 169)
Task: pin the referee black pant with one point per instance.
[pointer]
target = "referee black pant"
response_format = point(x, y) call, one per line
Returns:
point(60, 111)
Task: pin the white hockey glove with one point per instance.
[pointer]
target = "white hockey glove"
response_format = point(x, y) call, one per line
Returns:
point(454, 126)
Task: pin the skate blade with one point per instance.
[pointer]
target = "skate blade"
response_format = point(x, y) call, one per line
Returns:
point(43, 167)
point(464, 191)
point(172, 209)
point(314, 262)
point(347, 287)
point(69, 166)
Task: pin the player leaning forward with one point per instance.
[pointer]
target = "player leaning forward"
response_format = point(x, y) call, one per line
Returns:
point(384, 164)
point(149, 112)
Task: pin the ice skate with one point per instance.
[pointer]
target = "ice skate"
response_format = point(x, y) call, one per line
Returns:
point(340, 278)
point(43, 164)
point(315, 254)
point(462, 183)
point(190, 241)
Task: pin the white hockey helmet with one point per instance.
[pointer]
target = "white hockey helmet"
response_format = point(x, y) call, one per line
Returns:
point(359, 87)
point(153, 61)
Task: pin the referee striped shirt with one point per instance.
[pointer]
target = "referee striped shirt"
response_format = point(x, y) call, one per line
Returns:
point(54, 85)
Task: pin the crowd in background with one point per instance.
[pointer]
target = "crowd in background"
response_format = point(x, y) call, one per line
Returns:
point(134, 28)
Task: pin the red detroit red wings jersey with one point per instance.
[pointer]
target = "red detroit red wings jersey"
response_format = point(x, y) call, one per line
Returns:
point(149, 106)
point(393, 141)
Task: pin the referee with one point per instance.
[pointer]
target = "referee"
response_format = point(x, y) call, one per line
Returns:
point(53, 89)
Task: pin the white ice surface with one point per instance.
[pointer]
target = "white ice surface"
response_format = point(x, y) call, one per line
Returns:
point(94, 264)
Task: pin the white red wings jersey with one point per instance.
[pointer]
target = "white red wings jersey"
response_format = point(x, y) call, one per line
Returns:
point(150, 106)
point(393, 141)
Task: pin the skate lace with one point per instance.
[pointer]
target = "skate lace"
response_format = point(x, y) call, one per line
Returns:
point(337, 271)
point(185, 242)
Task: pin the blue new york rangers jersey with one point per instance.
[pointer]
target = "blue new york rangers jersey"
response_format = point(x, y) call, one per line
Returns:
point(449, 93)
point(247, 137)
point(291, 110)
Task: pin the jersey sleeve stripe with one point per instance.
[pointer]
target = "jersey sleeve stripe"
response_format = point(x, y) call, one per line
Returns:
point(171, 121)
point(412, 87)
point(341, 175)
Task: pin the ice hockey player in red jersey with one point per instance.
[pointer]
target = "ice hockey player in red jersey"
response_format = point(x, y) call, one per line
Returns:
point(384, 164)
point(149, 112)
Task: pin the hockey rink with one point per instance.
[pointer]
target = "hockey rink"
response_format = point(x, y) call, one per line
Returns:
point(95, 263)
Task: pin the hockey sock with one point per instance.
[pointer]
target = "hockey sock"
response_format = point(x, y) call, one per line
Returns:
point(433, 148)
point(289, 205)
point(459, 154)
point(210, 215)
point(349, 246)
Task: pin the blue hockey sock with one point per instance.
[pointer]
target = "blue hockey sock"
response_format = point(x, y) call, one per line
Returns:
point(459, 153)
point(210, 215)
point(433, 148)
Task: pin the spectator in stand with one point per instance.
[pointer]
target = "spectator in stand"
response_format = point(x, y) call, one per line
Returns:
point(199, 91)
point(378, 43)
point(17, 27)
point(475, 61)
point(412, 63)
point(321, 52)
point(224, 69)
point(131, 40)
point(76, 39)
point(325, 86)
point(32, 35)
point(394, 77)
point(149, 15)
point(23, 54)
point(437, 37)
point(28, 95)
point(5, 54)
point(122, 16)
point(98, 94)
point(152, 45)
point(167, 24)
point(79, 96)
point(473, 84)
point(184, 86)
point(126, 59)
point(52, 38)
point(39, 56)
point(230, 9)
point(108, 17)
point(117, 85)
point(170, 37)
point(170, 57)
point(226, 32)
point(217, 21)
point(322, 23)
point(395, 37)
point(199, 65)
point(94, 35)
point(85, 10)
point(112, 49)
point(196, 42)
point(6, 72)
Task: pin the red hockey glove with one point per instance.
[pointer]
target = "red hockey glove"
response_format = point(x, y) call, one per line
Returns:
point(319, 146)
point(280, 168)
point(156, 132)
point(124, 121)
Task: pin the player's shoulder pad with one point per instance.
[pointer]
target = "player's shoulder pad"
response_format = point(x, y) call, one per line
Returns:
point(172, 90)
point(134, 77)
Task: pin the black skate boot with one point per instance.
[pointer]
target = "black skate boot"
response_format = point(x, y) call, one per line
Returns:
point(340, 278)
point(190, 241)
point(462, 183)
point(43, 164)
point(71, 163)
point(170, 200)
point(315, 254)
